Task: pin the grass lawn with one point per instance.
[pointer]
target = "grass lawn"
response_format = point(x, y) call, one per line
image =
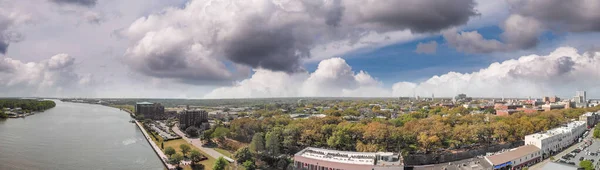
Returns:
point(128, 107)
point(224, 152)
point(208, 164)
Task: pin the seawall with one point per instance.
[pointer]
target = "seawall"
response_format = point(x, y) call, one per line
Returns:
point(155, 147)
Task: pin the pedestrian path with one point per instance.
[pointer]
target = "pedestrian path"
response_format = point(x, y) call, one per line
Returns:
point(160, 153)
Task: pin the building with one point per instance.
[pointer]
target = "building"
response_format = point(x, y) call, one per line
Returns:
point(548, 107)
point(516, 158)
point(196, 118)
point(324, 159)
point(551, 99)
point(506, 112)
point(150, 110)
point(591, 119)
point(557, 139)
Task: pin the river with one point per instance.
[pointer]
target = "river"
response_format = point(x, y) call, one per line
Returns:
point(75, 136)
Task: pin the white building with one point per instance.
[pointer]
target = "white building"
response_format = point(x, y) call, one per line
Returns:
point(516, 158)
point(325, 159)
point(556, 139)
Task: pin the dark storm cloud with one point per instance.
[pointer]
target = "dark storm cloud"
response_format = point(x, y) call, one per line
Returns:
point(280, 35)
point(417, 15)
point(278, 49)
point(3, 46)
point(87, 3)
point(529, 18)
point(561, 15)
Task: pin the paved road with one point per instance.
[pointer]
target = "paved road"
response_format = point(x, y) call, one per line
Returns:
point(198, 143)
point(162, 155)
point(595, 146)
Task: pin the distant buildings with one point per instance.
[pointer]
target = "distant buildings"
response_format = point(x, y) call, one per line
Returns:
point(153, 111)
point(551, 99)
point(196, 118)
point(580, 99)
point(591, 118)
point(324, 159)
point(556, 139)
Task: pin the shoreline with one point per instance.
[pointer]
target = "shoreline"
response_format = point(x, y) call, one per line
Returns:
point(155, 147)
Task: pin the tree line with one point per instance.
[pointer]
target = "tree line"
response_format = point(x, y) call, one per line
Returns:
point(276, 137)
point(27, 105)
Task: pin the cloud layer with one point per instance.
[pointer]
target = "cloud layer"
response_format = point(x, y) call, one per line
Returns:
point(54, 76)
point(333, 77)
point(427, 48)
point(272, 35)
point(528, 20)
point(561, 72)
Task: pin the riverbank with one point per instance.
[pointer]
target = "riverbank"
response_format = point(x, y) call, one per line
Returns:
point(155, 147)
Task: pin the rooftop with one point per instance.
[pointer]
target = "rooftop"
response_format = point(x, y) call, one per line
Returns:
point(512, 154)
point(144, 103)
point(348, 157)
point(559, 130)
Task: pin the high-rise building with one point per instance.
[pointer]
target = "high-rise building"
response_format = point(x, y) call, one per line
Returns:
point(194, 118)
point(150, 110)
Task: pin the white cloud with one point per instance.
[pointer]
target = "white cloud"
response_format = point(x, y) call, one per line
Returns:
point(54, 76)
point(561, 72)
point(333, 78)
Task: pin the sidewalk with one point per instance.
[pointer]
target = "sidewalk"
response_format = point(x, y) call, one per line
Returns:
point(196, 142)
point(160, 153)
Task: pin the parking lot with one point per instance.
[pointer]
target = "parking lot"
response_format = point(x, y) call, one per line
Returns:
point(586, 149)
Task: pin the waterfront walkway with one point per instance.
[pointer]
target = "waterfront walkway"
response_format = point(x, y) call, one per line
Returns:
point(160, 153)
point(196, 142)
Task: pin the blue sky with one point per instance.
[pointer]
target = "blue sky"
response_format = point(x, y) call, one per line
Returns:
point(245, 49)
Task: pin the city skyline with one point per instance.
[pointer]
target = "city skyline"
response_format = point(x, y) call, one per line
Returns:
point(264, 49)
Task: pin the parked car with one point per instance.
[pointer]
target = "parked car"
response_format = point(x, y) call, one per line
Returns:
point(572, 163)
point(581, 158)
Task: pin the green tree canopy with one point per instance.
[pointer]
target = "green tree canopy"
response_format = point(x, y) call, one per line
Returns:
point(273, 142)
point(220, 164)
point(185, 148)
point(257, 145)
point(176, 159)
point(196, 156)
point(192, 131)
point(587, 165)
point(243, 155)
point(249, 165)
point(169, 151)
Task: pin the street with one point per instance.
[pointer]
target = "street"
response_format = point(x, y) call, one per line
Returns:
point(593, 148)
point(198, 143)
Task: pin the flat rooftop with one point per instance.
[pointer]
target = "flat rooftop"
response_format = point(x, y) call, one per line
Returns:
point(144, 103)
point(512, 154)
point(348, 157)
point(559, 130)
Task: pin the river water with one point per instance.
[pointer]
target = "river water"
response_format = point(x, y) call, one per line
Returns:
point(75, 136)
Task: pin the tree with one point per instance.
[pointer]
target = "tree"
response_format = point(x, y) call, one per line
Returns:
point(192, 131)
point(587, 165)
point(162, 145)
point(257, 146)
point(243, 155)
point(249, 165)
point(184, 148)
point(169, 151)
point(220, 164)
point(3, 115)
point(220, 133)
point(196, 156)
point(176, 159)
point(273, 142)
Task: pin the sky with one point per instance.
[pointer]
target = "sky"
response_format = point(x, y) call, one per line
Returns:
point(298, 48)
